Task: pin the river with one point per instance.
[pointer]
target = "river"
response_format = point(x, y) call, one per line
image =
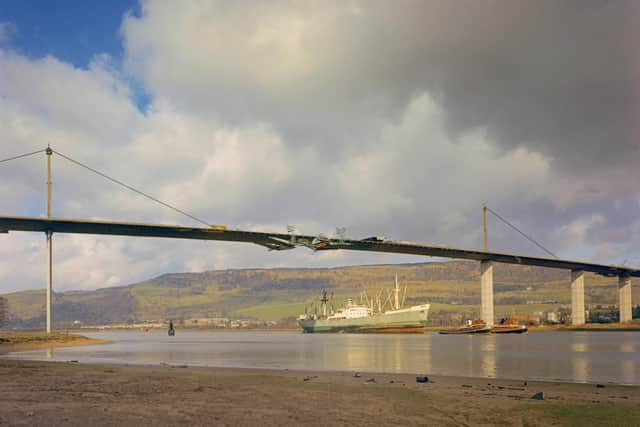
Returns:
point(608, 357)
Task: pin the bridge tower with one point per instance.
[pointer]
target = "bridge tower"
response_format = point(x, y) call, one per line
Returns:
point(484, 229)
point(49, 152)
point(486, 278)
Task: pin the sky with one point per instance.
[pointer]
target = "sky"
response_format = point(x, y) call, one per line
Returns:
point(398, 119)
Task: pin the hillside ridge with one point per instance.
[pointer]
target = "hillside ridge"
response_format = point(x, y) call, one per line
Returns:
point(281, 293)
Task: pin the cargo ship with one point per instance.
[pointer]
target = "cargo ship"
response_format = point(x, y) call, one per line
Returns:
point(361, 318)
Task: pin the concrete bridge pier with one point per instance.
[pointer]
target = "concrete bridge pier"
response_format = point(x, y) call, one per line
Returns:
point(486, 292)
point(577, 297)
point(624, 296)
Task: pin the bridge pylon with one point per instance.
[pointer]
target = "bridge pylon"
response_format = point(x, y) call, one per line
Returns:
point(49, 152)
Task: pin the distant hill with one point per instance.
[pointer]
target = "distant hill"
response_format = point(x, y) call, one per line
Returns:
point(4, 311)
point(276, 294)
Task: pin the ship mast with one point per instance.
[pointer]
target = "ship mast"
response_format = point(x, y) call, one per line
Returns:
point(397, 293)
point(324, 301)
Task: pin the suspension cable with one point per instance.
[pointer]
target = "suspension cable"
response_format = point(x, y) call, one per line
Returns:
point(21, 156)
point(522, 233)
point(97, 172)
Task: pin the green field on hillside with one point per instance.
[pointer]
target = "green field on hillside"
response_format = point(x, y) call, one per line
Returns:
point(272, 311)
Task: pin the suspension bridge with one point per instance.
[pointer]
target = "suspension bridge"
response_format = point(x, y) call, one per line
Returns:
point(291, 240)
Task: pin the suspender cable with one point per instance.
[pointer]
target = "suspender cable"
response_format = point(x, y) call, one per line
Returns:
point(21, 156)
point(522, 233)
point(128, 187)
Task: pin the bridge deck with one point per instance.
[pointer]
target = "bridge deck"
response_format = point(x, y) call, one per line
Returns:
point(279, 241)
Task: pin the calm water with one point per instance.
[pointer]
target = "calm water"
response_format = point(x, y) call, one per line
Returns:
point(568, 356)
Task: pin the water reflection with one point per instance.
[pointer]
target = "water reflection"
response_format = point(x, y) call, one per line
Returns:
point(579, 356)
point(469, 353)
point(488, 352)
point(426, 355)
point(580, 365)
point(579, 347)
point(627, 347)
point(580, 369)
point(374, 353)
point(630, 371)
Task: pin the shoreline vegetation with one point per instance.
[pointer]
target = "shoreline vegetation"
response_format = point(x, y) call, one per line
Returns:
point(47, 393)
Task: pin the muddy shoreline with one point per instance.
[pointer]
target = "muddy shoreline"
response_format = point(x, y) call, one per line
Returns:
point(18, 341)
point(44, 393)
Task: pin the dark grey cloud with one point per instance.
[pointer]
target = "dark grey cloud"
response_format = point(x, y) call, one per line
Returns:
point(556, 76)
point(560, 77)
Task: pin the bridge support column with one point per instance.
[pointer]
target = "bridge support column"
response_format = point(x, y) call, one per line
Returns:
point(624, 296)
point(486, 292)
point(577, 297)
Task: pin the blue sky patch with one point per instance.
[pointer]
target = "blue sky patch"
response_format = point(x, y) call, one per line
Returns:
point(72, 31)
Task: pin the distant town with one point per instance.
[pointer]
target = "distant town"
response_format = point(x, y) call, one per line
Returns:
point(204, 323)
point(558, 316)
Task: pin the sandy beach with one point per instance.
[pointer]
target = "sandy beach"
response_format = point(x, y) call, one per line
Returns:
point(40, 393)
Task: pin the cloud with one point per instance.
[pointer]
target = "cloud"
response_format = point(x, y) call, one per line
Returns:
point(388, 120)
point(555, 78)
point(417, 181)
point(559, 77)
point(577, 231)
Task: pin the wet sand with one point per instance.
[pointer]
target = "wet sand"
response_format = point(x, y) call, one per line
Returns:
point(40, 393)
point(17, 341)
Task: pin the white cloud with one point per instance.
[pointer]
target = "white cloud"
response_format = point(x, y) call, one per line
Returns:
point(420, 183)
point(577, 230)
